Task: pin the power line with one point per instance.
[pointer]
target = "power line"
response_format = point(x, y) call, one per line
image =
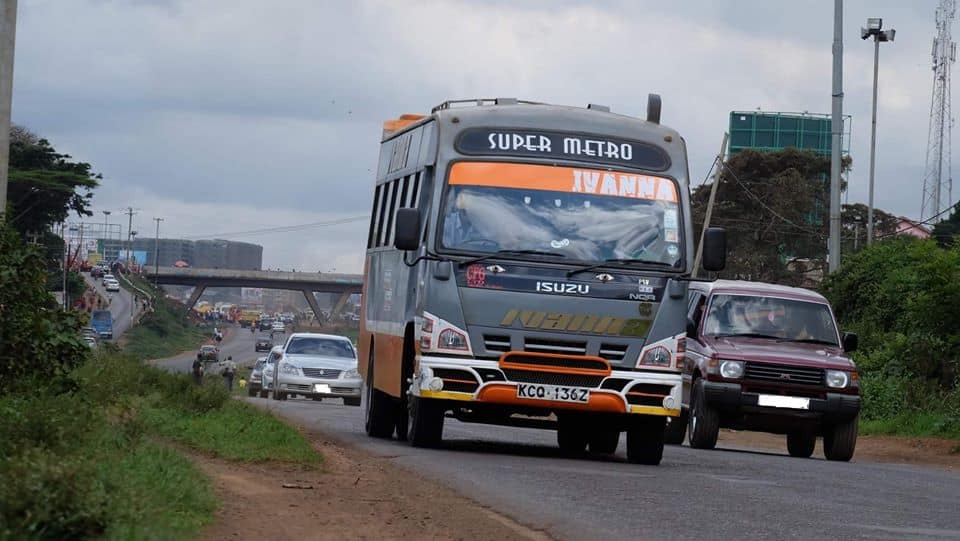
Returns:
point(282, 229)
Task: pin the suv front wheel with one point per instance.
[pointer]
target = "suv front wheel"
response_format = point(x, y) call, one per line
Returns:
point(704, 420)
point(840, 440)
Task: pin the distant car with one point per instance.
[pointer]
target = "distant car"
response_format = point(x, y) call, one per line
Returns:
point(96, 272)
point(209, 353)
point(263, 344)
point(112, 285)
point(278, 327)
point(270, 362)
point(90, 341)
point(318, 366)
point(255, 385)
point(108, 276)
point(266, 324)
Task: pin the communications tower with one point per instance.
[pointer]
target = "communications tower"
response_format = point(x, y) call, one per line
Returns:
point(938, 174)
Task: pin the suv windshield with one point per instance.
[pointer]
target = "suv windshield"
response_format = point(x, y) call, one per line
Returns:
point(581, 214)
point(767, 317)
point(326, 347)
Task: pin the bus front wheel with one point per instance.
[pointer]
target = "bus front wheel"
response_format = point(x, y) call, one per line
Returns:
point(425, 422)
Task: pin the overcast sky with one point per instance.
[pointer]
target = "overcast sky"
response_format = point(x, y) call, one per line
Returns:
point(234, 115)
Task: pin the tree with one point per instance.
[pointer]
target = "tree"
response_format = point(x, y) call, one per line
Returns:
point(853, 224)
point(44, 185)
point(946, 231)
point(774, 206)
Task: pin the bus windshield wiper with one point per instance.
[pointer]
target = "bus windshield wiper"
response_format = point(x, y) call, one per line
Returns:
point(808, 341)
point(621, 261)
point(499, 253)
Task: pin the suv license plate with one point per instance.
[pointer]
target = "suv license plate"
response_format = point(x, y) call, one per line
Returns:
point(789, 402)
point(553, 392)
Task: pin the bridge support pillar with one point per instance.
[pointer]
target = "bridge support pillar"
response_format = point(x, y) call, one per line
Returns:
point(341, 302)
point(195, 296)
point(314, 305)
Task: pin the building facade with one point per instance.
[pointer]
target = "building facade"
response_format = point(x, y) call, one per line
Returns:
point(208, 254)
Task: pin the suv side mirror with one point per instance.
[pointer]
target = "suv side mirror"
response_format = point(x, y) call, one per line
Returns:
point(850, 342)
point(691, 328)
point(715, 249)
point(407, 234)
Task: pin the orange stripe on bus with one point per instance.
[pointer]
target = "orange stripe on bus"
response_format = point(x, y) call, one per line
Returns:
point(563, 179)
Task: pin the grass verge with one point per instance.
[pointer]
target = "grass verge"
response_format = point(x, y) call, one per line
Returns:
point(915, 424)
point(164, 332)
point(87, 457)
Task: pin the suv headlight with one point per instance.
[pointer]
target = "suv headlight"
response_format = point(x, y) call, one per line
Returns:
point(287, 368)
point(353, 373)
point(837, 379)
point(731, 369)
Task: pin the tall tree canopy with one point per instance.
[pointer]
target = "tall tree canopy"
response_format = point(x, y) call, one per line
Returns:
point(45, 186)
point(946, 231)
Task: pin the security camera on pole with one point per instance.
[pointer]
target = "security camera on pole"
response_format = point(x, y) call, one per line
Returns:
point(874, 28)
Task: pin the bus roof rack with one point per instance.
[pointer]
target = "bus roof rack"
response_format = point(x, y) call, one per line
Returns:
point(452, 104)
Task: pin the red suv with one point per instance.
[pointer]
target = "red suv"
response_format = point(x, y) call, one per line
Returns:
point(767, 358)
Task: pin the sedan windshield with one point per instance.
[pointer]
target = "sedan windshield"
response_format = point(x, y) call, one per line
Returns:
point(768, 317)
point(324, 347)
point(579, 214)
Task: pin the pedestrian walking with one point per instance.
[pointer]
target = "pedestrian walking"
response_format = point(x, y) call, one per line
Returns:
point(198, 369)
point(228, 369)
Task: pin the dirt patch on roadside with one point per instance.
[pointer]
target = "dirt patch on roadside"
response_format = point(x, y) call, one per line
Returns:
point(935, 452)
point(354, 496)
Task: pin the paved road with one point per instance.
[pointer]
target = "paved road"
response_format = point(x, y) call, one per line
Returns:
point(121, 306)
point(237, 343)
point(722, 494)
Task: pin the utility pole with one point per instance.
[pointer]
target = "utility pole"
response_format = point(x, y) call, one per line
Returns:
point(833, 245)
point(156, 252)
point(66, 249)
point(129, 213)
point(106, 214)
point(8, 34)
point(709, 213)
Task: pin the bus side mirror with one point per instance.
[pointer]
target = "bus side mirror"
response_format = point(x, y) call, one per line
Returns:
point(850, 342)
point(715, 249)
point(407, 234)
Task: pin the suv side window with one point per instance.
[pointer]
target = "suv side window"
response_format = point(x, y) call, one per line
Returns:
point(698, 302)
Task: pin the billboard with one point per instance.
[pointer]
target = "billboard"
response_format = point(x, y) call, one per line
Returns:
point(769, 130)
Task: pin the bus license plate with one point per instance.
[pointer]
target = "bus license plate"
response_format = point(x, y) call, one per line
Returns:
point(553, 392)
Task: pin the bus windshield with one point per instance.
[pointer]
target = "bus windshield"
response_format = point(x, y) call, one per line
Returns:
point(581, 214)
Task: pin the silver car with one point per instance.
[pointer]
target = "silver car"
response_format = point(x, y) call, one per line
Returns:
point(318, 366)
point(255, 385)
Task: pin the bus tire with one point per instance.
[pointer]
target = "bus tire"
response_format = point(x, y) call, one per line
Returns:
point(379, 408)
point(704, 420)
point(840, 440)
point(572, 435)
point(801, 444)
point(676, 429)
point(426, 422)
point(645, 440)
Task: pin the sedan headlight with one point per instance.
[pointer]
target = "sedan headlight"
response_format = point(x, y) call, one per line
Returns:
point(837, 379)
point(353, 373)
point(287, 368)
point(731, 369)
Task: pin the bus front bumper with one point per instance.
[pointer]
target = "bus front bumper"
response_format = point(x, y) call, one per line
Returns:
point(483, 381)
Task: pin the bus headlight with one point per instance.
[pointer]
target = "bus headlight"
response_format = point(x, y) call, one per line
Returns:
point(451, 339)
point(837, 379)
point(658, 356)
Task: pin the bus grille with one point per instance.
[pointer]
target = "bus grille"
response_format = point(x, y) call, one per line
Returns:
point(552, 378)
point(460, 381)
point(613, 352)
point(561, 347)
point(496, 342)
point(783, 374)
point(648, 394)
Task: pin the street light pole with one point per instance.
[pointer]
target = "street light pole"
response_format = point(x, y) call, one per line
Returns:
point(8, 33)
point(833, 244)
point(106, 236)
point(873, 28)
point(156, 252)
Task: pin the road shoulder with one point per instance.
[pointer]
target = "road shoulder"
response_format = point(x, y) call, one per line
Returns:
point(355, 496)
